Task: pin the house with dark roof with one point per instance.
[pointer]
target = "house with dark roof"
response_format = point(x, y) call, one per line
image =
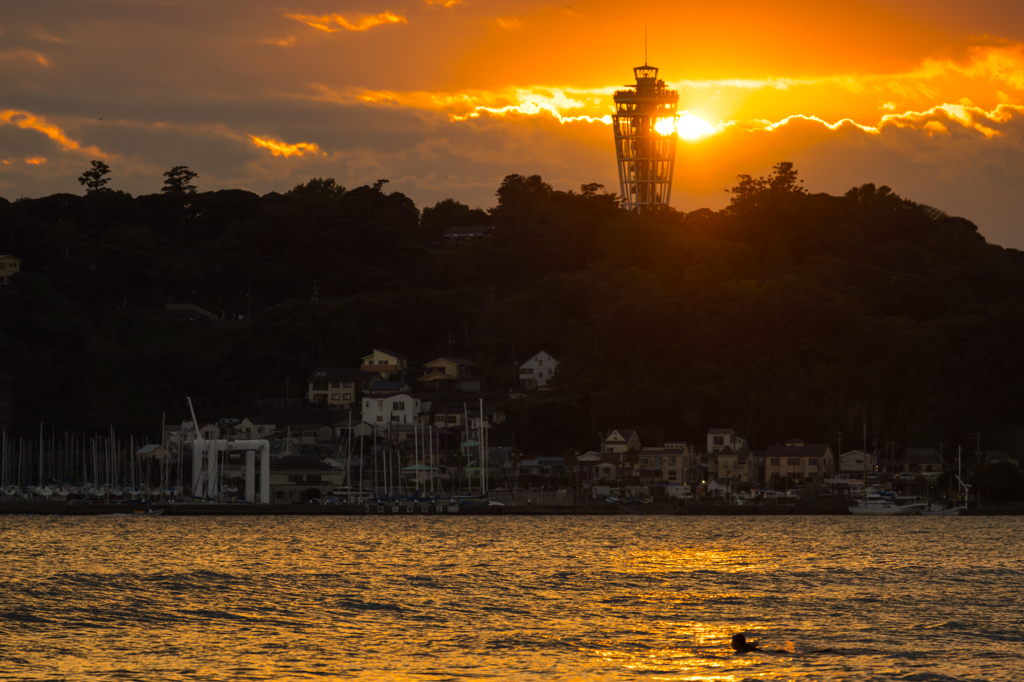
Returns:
point(295, 479)
point(352, 429)
point(995, 456)
point(468, 233)
point(735, 466)
point(927, 462)
point(451, 373)
point(337, 388)
point(798, 462)
point(253, 427)
point(385, 387)
point(306, 434)
point(669, 463)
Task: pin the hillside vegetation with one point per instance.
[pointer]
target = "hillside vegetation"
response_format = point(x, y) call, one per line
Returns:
point(785, 315)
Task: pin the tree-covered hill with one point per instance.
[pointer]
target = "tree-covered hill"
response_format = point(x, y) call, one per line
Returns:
point(785, 315)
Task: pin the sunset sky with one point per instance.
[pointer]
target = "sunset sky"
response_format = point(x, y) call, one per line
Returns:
point(446, 97)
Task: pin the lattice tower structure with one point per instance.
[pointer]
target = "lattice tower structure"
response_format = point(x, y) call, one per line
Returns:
point(646, 157)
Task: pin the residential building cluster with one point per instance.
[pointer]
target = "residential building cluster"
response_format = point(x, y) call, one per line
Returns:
point(431, 423)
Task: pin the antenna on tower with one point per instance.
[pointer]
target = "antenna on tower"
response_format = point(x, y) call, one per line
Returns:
point(645, 46)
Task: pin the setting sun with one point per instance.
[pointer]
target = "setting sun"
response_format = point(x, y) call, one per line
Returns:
point(665, 126)
point(691, 127)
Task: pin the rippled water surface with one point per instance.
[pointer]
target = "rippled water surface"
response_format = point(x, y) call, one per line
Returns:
point(548, 598)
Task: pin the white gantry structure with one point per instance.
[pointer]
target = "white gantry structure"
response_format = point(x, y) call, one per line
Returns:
point(645, 140)
point(205, 457)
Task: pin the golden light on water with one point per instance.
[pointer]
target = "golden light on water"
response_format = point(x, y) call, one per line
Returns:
point(692, 127)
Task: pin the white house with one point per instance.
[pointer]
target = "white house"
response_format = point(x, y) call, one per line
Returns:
point(397, 408)
point(621, 440)
point(537, 371)
point(858, 462)
point(719, 439)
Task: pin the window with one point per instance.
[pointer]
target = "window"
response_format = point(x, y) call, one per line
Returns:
point(319, 385)
point(775, 461)
point(399, 405)
point(793, 461)
point(348, 384)
point(719, 440)
point(334, 384)
point(347, 396)
point(335, 396)
point(380, 417)
point(528, 371)
point(549, 372)
point(383, 362)
point(540, 363)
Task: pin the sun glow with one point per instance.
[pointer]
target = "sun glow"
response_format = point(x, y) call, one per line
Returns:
point(691, 127)
point(665, 126)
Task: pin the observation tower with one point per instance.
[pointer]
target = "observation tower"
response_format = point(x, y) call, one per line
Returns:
point(645, 140)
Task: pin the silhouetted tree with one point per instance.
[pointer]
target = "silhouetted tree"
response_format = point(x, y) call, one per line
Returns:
point(95, 179)
point(753, 192)
point(179, 181)
point(317, 189)
point(444, 215)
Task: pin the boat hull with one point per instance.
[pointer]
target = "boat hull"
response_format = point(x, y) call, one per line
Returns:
point(894, 510)
point(955, 511)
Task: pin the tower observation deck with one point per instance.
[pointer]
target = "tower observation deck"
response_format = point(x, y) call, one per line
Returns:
point(645, 140)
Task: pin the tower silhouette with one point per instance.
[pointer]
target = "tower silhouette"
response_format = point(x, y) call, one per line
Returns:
point(645, 140)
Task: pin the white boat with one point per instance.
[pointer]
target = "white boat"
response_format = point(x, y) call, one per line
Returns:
point(940, 510)
point(874, 504)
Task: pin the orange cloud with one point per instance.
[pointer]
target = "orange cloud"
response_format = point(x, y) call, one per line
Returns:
point(24, 119)
point(443, 3)
point(23, 53)
point(35, 160)
point(511, 22)
point(278, 148)
point(332, 23)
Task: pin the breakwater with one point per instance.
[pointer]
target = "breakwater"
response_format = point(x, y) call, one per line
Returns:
point(434, 509)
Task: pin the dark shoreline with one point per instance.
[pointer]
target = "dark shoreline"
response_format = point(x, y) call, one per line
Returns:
point(420, 509)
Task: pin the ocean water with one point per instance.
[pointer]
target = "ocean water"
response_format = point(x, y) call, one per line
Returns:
point(510, 598)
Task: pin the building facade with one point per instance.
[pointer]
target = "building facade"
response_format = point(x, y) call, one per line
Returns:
point(719, 439)
point(385, 362)
point(670, 463)
point(381, 412)
point(337, 388)
point(538, 370)
point(798, 462)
